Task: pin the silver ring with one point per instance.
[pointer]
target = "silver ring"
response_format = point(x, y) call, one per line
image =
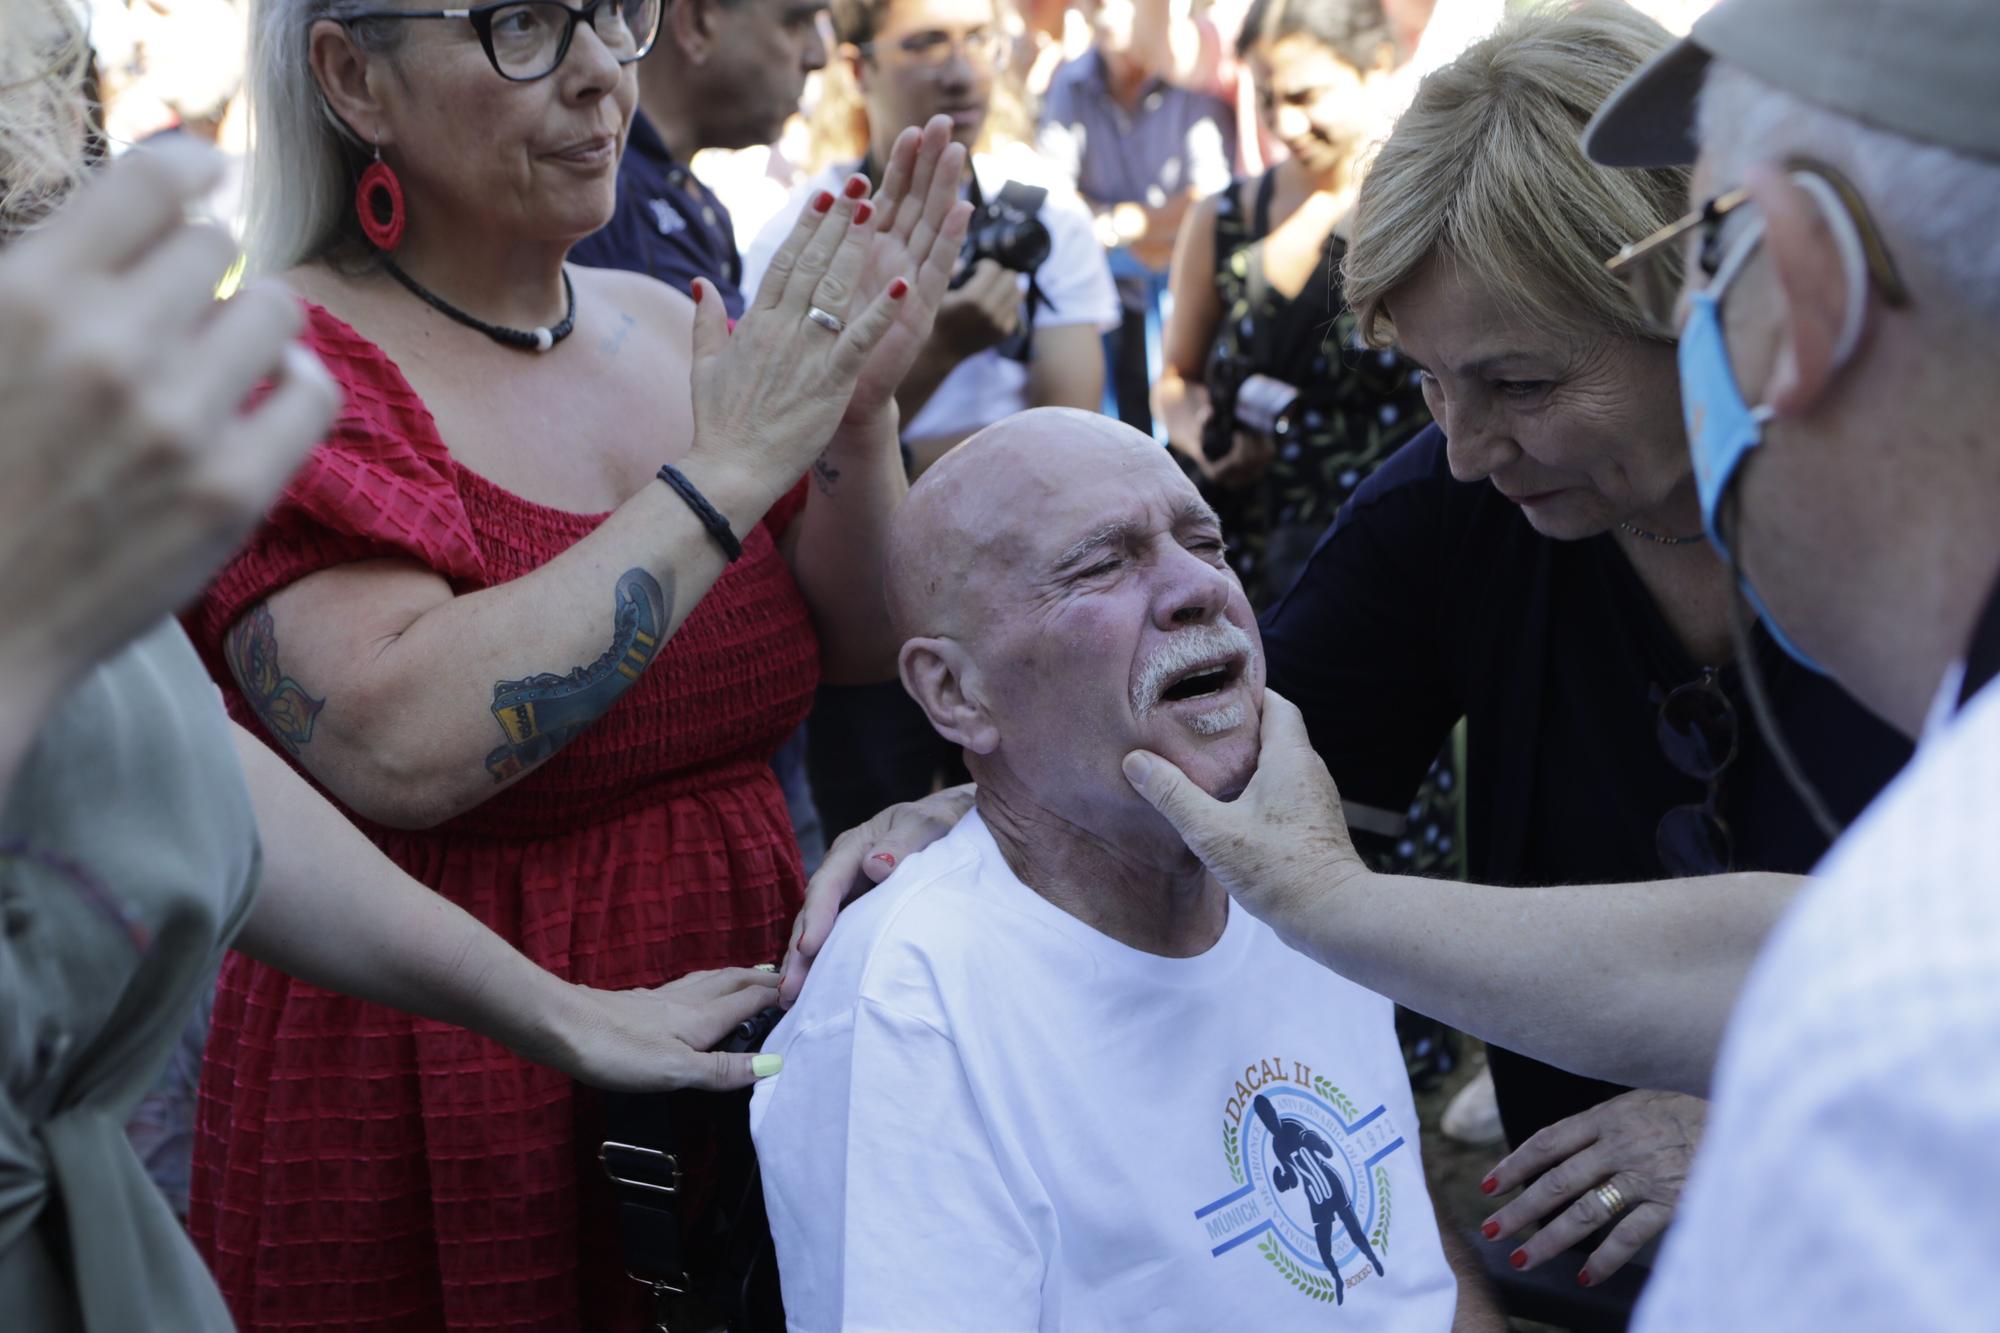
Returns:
point(831, 323)
point(1611, 1197)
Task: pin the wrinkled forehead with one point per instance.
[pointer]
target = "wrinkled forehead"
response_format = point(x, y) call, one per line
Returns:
point(1062, 502)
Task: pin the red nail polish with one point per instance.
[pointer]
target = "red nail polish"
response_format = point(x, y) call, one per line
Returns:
point(886, 858)
point(1488, 1185)
point(1491, 1231)
point(863, 211)
point(822, 201)
point(857, 186)
point(898, 290)
point(696, 293)
point(1582, 1278)
point(1519, 1259)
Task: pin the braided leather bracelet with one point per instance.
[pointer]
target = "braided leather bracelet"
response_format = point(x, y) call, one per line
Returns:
point(717, 525)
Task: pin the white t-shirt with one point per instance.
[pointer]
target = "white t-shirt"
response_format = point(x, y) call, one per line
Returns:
point(1076, 278)
point(993, 1117)
point(1850, 1174)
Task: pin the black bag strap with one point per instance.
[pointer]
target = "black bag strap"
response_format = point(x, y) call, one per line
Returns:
point(731, 1269)
point(1260, 221)
point(641, 1159)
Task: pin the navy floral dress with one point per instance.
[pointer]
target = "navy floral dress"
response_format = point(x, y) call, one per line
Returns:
point(1358, 406)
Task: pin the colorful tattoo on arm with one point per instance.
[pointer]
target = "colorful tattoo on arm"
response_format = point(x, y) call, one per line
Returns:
point(287, 711)
point(541, 714)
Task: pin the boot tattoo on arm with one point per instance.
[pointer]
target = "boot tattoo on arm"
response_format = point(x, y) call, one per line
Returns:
point(540, 714)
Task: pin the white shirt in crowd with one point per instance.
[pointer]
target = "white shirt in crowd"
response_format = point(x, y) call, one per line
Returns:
point(1075, 279)
point(992, 1116)
point(1849, 1175)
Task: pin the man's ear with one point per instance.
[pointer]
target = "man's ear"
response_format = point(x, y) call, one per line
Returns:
point(691, 25)
point(940, 676)
point(1811, 290)
point(345, 79)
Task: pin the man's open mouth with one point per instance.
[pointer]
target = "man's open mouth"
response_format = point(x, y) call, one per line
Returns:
point(1199, 682)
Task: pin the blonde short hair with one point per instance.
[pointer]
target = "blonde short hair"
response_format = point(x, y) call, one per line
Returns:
point(1485, 168)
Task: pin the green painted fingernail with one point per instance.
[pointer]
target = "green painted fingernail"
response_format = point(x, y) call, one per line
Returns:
point(763, 1066)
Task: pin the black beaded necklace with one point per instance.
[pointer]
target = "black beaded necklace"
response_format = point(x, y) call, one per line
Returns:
point(528, 340)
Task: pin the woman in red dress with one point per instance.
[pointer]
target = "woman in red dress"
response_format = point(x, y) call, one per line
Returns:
point(546, 683)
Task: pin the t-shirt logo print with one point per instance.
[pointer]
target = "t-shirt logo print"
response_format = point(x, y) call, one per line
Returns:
point(1312, 1192)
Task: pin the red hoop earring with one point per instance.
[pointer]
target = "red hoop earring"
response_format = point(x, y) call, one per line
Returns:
point(378, 200)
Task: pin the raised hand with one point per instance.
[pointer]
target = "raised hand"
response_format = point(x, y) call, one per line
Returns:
point(860, 859)
point(133, 469)
point(920, 228)
point(768, 394)
point(1633, 1151)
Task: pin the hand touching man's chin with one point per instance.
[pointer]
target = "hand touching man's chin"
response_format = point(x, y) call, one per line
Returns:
point(1217, 744)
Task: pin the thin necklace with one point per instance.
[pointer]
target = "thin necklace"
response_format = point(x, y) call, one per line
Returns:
point(1638, 531)
point(528, 340)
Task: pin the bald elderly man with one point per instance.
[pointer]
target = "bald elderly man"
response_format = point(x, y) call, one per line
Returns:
point(1046, 1076)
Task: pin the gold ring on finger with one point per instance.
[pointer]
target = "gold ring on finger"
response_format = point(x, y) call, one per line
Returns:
point(1611, 1197)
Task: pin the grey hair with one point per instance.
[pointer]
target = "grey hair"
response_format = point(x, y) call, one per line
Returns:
point(304, 160)
point(42, 91)
point(1935, 206)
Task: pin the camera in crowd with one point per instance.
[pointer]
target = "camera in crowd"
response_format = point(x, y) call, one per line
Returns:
point(1009, 231)
point(1261, 405)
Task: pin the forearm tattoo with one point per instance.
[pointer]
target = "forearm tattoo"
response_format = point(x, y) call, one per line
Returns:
point(825, 475)
point(541, 714)
point(287, 711)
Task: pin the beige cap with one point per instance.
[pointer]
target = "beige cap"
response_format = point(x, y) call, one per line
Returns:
point(1928, 70)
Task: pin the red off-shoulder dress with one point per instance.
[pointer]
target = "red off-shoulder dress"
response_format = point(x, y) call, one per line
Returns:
point(359, 1169)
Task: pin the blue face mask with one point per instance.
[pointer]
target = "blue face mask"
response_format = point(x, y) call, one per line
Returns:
point(1722, 429)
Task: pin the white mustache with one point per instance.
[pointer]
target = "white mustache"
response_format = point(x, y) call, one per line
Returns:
point(1189, 648)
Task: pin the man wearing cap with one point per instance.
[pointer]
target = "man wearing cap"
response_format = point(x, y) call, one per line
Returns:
point(1837, 344)
point(1837, 334)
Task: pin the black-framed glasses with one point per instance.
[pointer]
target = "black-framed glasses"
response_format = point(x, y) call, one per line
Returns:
point(1650, 268)
point(1697, 731)
point(526, 40)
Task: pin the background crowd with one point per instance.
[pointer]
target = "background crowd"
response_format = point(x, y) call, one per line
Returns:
point(578, 731)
